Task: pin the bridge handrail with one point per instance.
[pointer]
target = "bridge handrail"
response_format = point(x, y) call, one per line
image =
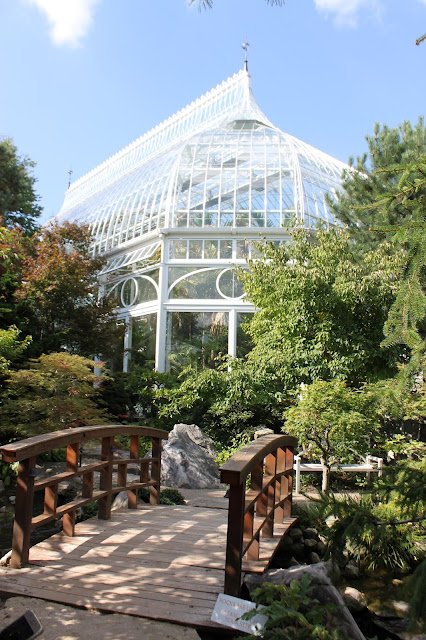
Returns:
point(251, 515)
point(26, 451)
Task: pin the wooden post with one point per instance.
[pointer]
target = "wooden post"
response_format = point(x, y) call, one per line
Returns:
point(234, 540)
point(289, 462)
point(50, 499)
point(132, 495)
point(270, 469)
point(105, 484)
point(154, 497)
point(281, 489)
point(68, 523)
point(23, 513)
point(72, 457)
point(255, 485)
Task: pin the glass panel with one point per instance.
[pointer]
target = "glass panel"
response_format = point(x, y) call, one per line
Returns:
point(142, 351)
point(129, 292)
point(229, 285)
point(211, 249)
point(146, 291)
point(226, 249)
point(201, 284)
point(178, 249)
point(195, 249)
point(242, 249)
point(195, 339)
point(244, 341)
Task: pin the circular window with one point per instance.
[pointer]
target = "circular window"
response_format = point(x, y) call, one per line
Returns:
point(228, 285)
point(129, 292)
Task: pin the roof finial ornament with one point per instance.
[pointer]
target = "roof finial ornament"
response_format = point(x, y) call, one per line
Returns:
point(70, 172)
point(245, 46)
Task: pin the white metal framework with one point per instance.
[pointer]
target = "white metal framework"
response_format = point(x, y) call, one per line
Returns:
point(175, 211)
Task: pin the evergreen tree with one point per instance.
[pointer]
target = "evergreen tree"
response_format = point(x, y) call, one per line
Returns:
point(367, 185)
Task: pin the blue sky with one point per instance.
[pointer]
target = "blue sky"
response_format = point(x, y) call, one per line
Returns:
point(80, 79)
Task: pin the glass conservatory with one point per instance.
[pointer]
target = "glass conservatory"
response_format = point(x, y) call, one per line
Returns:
point(176, 211)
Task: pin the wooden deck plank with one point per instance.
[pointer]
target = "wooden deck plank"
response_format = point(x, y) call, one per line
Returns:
point(158, 562)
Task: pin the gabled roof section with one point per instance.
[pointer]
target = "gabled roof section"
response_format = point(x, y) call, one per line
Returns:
point(232, 99)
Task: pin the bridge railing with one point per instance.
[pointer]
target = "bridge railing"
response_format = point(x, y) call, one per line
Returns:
point(26, 452)
point(253, 512)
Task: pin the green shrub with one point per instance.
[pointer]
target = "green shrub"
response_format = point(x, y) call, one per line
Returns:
point(292, 614)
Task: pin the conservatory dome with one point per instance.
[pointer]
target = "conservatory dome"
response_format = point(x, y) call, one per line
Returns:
point(175, 211)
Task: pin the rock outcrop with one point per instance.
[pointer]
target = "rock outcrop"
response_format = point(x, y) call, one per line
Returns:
point(188, 459)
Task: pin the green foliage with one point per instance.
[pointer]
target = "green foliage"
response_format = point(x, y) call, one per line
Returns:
point(11, 348)
point(320, 311)
point(8, 472)
point(54, 390)
point(167, 496)
point(384, 527)
point(338, 424)
point(145, 388)
point(236, 443)
point(406, 322)
point(18, 200)
point(293, 614)
point(365, 187)
point(224, 402)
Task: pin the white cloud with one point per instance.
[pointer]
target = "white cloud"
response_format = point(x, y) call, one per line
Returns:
point(346, 11)
point(70, 20)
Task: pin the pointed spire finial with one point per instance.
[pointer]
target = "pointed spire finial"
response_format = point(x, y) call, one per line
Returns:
point(245, 46)
point(70, 172)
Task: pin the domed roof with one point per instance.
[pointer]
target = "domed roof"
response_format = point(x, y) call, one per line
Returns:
point(219, 163)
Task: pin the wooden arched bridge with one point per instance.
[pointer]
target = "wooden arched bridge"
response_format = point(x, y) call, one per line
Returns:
point(164, 562)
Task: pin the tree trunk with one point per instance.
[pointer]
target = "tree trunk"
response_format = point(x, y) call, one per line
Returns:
point(325, 476)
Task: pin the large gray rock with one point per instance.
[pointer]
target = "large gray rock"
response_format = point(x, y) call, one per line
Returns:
point(188, 459)
point(322, 590)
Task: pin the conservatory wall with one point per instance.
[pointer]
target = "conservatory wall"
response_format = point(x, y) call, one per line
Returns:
point(178, 212)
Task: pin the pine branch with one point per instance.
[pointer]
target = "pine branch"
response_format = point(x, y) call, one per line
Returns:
point(395, 522)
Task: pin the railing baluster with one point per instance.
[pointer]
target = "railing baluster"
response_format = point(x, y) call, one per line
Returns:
point(281, 485)
point(270, 467)
point(50, 499)
point(132, 494)
point(105, 484)
point(289, 460)
point(21, 536)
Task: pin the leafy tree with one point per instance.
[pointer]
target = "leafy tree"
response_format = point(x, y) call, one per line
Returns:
point(337, 424)
point(225, 401)
point(320, 311)
point(59, 294)
point(18, 199)
point(50, 393)
point(11, 348)
point(356, 206)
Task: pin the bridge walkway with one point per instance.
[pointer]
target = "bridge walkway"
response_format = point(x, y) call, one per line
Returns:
point(159, 562)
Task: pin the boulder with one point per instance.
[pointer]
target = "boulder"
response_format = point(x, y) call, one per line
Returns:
point(313, 558)
point(351, 571)
point(322, 590)
point(354, 599)
point(188, 459)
